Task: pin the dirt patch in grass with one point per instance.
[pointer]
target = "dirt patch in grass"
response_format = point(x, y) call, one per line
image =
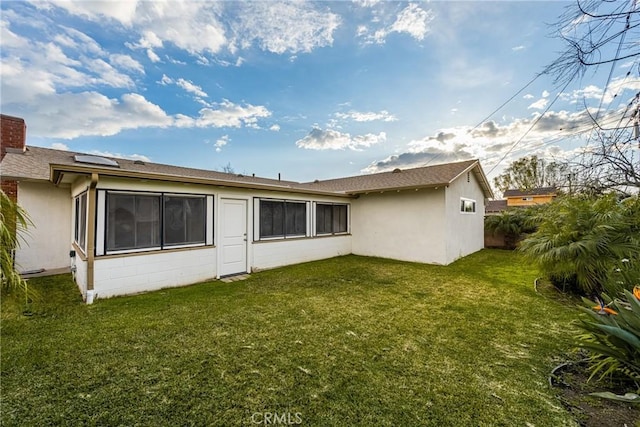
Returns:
point(571, 381)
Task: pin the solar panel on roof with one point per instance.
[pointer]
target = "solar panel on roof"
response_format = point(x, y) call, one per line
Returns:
point(95, 160)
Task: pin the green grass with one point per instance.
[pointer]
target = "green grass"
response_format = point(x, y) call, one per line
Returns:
point(345, 341)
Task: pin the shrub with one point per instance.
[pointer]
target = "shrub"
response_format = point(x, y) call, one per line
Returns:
point(580, 240)
point(512, 223)
point(613, 335)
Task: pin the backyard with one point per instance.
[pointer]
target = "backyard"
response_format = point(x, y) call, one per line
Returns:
point(345, 341)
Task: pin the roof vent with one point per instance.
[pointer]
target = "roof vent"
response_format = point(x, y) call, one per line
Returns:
point(139, 162)
point(396, 170)
point(240, 175)
point(316, 181)
point(95, 160)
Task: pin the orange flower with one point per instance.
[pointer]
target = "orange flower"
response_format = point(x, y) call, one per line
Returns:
point(604, 310)
point(636, 292)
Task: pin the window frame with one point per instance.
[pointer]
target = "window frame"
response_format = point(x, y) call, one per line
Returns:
point(333, 232)
point(258, 236)
point(463, 204)
point(81, 221)
point(209, 215)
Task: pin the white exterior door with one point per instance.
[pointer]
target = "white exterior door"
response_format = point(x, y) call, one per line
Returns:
point(234, 237)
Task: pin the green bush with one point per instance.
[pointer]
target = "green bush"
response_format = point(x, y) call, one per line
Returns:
point(581, 241)
point(613, 336)
point(512, 223)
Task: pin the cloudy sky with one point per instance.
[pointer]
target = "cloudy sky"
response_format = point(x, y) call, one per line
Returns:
point(311, 90)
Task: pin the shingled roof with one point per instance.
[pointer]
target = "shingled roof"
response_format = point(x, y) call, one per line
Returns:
point(37, 163)
point(398, 179)
point(541, 191)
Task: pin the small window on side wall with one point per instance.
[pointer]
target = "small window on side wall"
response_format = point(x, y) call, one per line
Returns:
point(467, 206)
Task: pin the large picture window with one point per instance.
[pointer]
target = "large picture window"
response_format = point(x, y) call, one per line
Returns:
point(331, 219)
point(184, 220)
point(279, 218)
point(136, 221)
point(80, 226)
point(133, 221)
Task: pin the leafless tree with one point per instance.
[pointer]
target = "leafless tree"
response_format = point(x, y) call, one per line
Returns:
point(604, 33)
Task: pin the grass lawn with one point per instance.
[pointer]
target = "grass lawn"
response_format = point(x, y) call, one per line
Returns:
point(345, 341)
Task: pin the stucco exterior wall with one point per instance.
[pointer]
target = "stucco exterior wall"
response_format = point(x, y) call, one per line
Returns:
point(278, 253)
point(465, 231)
point(147, 272)
point(407, 225)
point(46, 245)
point(80, 275)
point(127, 273)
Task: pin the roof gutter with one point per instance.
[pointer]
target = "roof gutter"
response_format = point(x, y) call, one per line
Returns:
point(404, 188)
point(57, 172)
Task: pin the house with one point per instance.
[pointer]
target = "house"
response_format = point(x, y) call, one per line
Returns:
point(126, 226)
point(534, 196)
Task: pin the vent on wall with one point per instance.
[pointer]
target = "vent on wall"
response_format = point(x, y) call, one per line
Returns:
point(95, 160)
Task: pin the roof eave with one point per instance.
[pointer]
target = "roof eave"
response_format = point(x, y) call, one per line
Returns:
point(58, 170)
point(403, 188)
point(484, 181)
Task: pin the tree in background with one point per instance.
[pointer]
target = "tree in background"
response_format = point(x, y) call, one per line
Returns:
point(601, 33)
point(532, 172)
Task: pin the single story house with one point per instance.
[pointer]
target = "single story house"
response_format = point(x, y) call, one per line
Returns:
point(126, 226)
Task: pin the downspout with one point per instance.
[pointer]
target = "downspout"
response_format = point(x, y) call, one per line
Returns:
point(91, 236)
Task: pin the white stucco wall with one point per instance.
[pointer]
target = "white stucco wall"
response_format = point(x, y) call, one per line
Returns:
point(147, 272)
point(465, 231)
point(407, 225)
point(129, 273)
point(278, 253)
point(46, 245)
point(81, 275)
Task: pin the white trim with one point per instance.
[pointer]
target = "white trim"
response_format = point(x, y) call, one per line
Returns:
point(101, 225)
point(209, 226)
point(475, 206)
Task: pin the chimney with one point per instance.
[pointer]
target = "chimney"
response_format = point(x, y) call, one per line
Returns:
point(13, 134)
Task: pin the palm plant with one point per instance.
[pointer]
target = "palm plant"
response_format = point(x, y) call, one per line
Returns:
point(613, 337)
point(511, 223)
point(579, 240)
point(14, 222)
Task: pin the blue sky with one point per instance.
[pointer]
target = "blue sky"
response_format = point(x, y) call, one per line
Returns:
point(311, 90)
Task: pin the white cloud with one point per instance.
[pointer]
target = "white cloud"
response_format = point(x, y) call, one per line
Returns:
point(225, 114)
point(165, 80)
point(221, 142)
point(126, 62)
point(517, 48)
point(121, 11)
point(528, 96)
point(285, 27)
point(412, 20)
point(617, 87)
point(191, 88)
point(60, 146)
point(58, 116)
point(545, 93)
point(487, 142)
point(358, 116)
point(540, 104)
point(275, 128)
point(329, 139)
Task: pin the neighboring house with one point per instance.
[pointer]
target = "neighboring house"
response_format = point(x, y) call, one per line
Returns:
point(128, 226)
point(494, 207)
point(535, 196)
